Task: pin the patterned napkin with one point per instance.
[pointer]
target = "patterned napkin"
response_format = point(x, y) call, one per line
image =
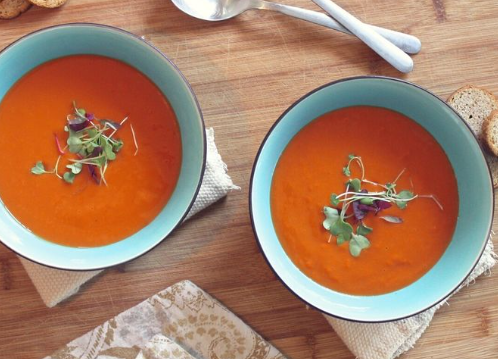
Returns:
point(161, 347)
point(56, 285)
point(182, 321)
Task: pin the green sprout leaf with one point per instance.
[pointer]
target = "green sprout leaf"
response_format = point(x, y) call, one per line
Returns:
point(363, 230)
point(117, 145)
point(75, 167)
point(108, 151)
point(364, 203)
point(93, 145)
point(392, 219)
point(367, 200)
point(342, 228)
point(334, 201)
point(404, 195)
point(355, 184)
point(69, 177)
point(75, 144)
point(38, 169)
point(91, 132)
point(341, 238)
point(332, 215)
point(357, 244)
point(354, 249)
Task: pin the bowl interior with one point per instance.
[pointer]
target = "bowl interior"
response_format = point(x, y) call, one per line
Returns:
point(65, 40)
point(474, 188)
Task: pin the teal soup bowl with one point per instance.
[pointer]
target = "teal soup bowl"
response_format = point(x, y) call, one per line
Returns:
point(73, 39)
point(475, 192)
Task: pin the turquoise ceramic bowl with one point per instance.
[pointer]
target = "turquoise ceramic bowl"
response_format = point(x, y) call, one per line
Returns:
point(54, 42)
point(474, 187)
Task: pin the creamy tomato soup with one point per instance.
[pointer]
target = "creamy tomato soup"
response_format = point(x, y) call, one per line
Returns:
point(390, 146)
point(139, 182)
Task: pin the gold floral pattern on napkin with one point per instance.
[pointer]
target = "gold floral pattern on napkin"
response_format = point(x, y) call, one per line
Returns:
point(161, 347)
point(185, 315)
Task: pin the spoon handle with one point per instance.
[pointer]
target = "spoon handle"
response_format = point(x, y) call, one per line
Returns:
point(387, 50)
point(408, 43)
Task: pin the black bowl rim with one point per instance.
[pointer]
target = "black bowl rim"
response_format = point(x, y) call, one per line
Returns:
point(203, 126)
point(354, 78)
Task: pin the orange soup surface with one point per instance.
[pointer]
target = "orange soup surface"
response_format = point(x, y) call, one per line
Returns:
point(310, 170)
point(85, 214)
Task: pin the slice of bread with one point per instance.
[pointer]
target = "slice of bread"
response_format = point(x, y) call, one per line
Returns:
point(475, 105)
point(490, 131)
point(48, 3)
point(10, 9)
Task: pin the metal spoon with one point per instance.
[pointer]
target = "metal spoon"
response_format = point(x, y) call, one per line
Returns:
point(386, 49)
point(217, 10)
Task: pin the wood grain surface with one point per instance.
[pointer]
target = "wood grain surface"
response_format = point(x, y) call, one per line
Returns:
point(246, 72)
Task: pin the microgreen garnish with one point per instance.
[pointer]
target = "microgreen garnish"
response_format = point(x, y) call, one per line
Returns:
point(392, 219)
point(39, 168)
point(362, 203)
point(91, 141)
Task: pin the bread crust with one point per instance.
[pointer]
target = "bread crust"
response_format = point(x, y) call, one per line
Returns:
point(48, 3)
point(471, 87)
point(10, 9)
point(487, 127)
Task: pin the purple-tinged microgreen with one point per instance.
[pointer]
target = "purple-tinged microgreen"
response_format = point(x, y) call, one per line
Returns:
point(382, 205)
point(362, 203)
point(58, 144)
point(359, 214)
point(91, 141)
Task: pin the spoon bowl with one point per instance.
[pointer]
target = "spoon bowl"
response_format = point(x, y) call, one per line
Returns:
point(213, 10)
point(218, 10)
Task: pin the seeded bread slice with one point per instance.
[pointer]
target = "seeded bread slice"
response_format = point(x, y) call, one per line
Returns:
point(10, 9)
point(48, 3)
point(490, 131)
point(475, 105)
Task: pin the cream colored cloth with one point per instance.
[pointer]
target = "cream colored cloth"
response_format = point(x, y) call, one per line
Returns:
point(182, 320)
point(161, 347)
point(56, 285)
point(390, 340)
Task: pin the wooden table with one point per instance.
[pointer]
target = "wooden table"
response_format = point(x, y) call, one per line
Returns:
point(246, 72)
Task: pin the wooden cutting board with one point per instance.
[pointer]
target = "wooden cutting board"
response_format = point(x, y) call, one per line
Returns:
point(246, 72)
